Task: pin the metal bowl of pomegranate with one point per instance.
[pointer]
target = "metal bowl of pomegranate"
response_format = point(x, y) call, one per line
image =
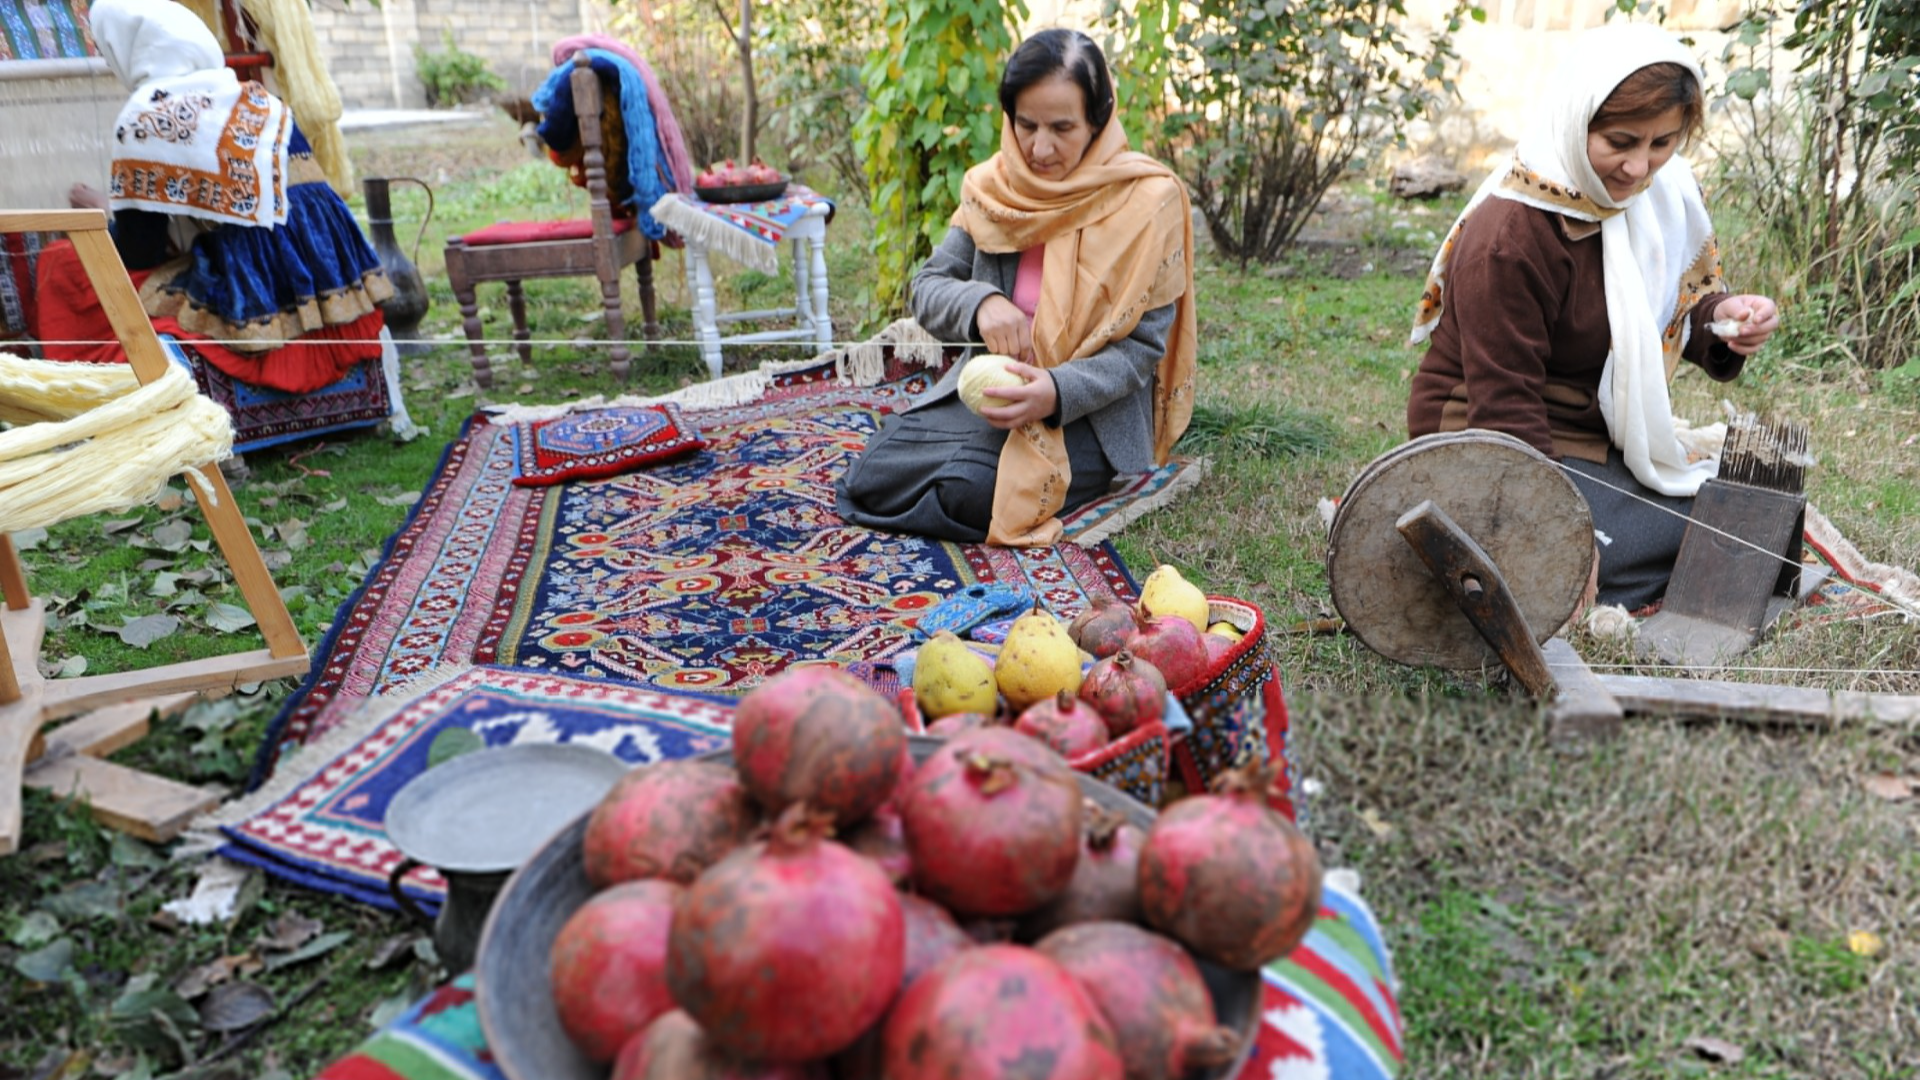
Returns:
point(516, 992)
point(741, 193)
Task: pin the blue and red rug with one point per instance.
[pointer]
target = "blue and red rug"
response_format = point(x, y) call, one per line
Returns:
point(706, 574)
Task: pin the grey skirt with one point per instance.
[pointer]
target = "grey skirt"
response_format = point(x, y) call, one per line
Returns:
point(1640, 530)
point(931, 471)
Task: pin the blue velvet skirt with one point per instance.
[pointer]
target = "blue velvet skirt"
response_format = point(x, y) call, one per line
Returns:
point(255, 288)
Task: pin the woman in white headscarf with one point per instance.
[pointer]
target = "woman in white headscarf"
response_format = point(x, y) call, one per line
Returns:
point(229, 228)
point(1580, 274)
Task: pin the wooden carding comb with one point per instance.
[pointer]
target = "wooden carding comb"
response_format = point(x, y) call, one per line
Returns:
point(1739, 559)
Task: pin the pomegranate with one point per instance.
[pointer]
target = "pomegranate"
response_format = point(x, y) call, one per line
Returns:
point(609, 965)
point(998, 1012)
point(1172, 646)
point(883, 839)
point(1218, 646)
point(1102, 629)
point(670, 819)
point(1064, 724)
point(993, 824)
point(674, 1048)
point(820, 735)
point(932, 936)
point(1228, 877)
point(1106, 880)
point(789, 948)
point(1126, 691)
point(954, 723)
point(1151, 991)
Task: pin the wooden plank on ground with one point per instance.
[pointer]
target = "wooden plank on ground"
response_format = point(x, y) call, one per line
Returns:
point(102, 731)
point(67, 697)
point(1582, 711)
point(18, 723)
point(1762, 702)
point(147, 806)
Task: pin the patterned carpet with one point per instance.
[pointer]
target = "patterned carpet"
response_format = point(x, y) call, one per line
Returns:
point(707, 574)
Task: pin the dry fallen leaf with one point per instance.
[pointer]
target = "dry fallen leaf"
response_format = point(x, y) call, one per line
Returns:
point(1865, 943)
point(1889, 787)
point(1715, 1049)
point(290, 931)
point(1379, 825)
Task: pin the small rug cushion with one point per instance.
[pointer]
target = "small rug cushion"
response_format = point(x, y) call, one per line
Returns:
point(601, 442)
point(534, 232)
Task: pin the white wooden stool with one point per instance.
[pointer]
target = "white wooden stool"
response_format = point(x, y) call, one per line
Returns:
point(812, 322)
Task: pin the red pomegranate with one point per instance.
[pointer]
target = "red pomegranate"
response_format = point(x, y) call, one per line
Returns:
point(1218, 646)
point(1102, 629)
point(882, 838)
point(932, 936)
point(1069, 727)
point(609, 965)
point(670, 819)
point(820, 735)
point(1106, 880)
point(998, 1012)
point(674, 1048)
point(993, 824)
point(789, 948)
point(1126, 691)
point(1228, 877)
point(1172, 646)
point(1151, 991)
point(954, 723)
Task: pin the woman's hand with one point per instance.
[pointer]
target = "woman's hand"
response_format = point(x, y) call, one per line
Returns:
point(1005, 328)
point(1031, 403)
point(1758, 317)
point(86, 197)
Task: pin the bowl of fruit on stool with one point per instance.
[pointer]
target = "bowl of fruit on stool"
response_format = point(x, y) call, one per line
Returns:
point(836, 898)
point(730, 183)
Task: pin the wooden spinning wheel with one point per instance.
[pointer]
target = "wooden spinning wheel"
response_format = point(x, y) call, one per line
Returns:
point(1527, 534)
point(117, 706)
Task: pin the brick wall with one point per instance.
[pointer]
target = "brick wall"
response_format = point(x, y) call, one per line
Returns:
point(369, 49)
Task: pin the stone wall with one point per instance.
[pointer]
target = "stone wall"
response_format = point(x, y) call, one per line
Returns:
point(369, 48)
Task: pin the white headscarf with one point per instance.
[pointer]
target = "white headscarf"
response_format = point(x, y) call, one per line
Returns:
point(144, 40)
point(192, 140)
point(1658, 251)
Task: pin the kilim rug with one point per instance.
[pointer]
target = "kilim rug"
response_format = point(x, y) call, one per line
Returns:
point(322, 822)
point(708, 574)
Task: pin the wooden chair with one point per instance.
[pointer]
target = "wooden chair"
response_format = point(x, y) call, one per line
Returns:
point(601, 246)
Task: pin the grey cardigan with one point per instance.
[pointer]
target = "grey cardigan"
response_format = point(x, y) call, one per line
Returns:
point(1112, 388)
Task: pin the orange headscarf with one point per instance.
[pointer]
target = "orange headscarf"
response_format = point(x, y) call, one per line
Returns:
point(1119, 237)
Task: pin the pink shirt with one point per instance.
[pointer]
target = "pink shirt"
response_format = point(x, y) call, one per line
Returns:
point(1026, 280)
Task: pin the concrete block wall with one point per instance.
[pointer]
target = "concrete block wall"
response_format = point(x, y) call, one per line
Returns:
point(369, 49)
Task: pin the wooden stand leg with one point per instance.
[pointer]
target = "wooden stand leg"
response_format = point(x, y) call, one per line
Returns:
point(13, 577)
point(649, 304)
point(469, 314)
point(522, 336)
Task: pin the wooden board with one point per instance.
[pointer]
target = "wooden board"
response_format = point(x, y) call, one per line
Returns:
point(1512, 500)
point(102, 731)
point(147, 806)
point(1582, 710)
point(1796, 706)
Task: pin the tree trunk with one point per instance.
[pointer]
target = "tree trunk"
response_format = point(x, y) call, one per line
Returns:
point(750, 115)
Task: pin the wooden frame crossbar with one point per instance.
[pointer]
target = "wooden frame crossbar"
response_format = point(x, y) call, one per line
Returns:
point(68, 760)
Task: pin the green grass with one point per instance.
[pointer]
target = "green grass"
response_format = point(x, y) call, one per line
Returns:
point(1551, 916)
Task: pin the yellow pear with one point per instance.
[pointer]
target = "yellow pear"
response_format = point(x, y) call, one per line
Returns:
point(950, 678)
point(1227, 630)
point(1167, 593)
point(1037, 661)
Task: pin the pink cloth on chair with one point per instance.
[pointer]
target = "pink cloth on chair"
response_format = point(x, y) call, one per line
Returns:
point(671, 138)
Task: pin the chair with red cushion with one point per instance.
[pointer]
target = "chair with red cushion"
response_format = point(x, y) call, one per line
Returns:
point(599, 245)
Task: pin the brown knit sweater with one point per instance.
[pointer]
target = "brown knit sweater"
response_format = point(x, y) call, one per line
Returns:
point(1524, 337)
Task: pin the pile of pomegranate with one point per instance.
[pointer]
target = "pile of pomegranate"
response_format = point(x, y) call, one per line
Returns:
point(727, 174)
point(827, 908)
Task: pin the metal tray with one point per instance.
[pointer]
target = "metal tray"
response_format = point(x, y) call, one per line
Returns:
point(741, 193)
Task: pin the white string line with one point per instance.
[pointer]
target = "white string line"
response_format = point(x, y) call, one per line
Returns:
point(800, 338)
point(1693, 522)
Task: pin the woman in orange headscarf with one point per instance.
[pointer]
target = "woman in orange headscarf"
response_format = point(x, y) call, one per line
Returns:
point(1073, 255)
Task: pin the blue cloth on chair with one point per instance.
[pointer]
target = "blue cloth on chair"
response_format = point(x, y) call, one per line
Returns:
point(646, 158)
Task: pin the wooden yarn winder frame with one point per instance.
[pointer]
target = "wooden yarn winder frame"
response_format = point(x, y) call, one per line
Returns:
point(114, 710)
